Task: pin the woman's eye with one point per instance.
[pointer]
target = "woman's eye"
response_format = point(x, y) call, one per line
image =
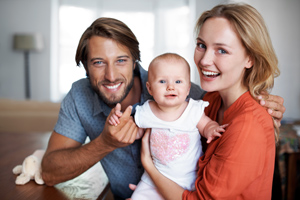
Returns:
point(222, 51)
point(178, 81)
point(201, 45)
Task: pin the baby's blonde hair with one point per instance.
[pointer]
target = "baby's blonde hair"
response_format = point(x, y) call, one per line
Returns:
point(169, 57)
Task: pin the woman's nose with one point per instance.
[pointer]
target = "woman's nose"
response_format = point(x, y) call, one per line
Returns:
point(207, 58)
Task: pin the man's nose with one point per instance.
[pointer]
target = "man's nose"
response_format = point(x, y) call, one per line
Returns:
point(110, 73)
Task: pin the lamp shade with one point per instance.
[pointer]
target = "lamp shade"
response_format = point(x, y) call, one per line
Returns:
point(28, 42)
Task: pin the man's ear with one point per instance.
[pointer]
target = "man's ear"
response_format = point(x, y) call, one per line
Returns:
point(86, 70)
point(149, 88)
point(134, 64)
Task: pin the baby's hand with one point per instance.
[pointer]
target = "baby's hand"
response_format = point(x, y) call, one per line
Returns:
point(114, 118)
point(214, 131)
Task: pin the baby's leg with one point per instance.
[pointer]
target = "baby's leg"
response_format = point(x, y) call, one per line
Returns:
point(146, 192)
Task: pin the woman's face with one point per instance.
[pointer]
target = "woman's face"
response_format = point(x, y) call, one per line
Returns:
point(220, 57)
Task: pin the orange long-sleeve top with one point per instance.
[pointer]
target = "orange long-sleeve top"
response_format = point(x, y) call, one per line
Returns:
point(239, 164)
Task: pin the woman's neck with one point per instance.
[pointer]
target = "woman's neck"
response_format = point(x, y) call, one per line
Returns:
point(228, 98)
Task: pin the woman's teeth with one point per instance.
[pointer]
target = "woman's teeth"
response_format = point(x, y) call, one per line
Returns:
point(210, 74)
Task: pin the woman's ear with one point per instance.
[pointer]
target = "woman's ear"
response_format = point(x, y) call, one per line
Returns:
point(249, 62)
point(149, 88)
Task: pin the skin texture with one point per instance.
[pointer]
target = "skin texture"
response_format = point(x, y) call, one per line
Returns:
point(65, 158)
point(109, 64)
point(221, 60)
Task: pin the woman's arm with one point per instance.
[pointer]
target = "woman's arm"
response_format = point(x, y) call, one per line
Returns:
point(167, 188)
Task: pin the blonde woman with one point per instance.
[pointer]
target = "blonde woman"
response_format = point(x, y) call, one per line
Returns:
point(236, 62)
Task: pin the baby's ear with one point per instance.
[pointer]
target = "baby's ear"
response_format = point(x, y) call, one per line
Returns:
point(149, 88)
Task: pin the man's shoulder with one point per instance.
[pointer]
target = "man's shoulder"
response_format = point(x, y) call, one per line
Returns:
point(81, 83)
point(80, 93)
point(196, 92)
point(82, 86)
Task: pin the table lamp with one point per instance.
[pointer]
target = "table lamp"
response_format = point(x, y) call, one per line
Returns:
point(27, 43)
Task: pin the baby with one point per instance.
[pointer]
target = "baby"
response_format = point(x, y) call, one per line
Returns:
point(175, 123)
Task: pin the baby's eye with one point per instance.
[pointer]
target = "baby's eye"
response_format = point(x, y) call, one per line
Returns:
point(162, 81)
point(178, 81)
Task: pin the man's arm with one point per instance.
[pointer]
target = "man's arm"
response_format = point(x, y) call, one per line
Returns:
point(274, 106)
point(66, 158)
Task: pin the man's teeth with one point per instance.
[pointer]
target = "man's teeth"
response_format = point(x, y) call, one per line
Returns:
point(207, 73)
point(111, 87)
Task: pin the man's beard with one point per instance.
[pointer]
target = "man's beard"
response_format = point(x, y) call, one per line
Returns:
point(113, 100)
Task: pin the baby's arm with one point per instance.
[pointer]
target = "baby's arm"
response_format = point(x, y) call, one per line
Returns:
point(210, 129)
point(114, 118)
point(114, 121)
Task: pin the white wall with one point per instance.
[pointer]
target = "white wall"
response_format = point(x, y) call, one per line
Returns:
point(282, 19)
point(24, 16)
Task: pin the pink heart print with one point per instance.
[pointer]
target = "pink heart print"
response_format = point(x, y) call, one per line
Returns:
point(166, 148)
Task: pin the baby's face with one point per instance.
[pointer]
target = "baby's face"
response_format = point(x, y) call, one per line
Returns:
point(169, 82)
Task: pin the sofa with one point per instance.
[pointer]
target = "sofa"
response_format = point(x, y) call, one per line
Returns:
point(27, 116)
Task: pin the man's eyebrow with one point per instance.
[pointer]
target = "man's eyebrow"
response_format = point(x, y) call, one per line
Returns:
point(122, 56)
point(92, 59)
point(126, 56)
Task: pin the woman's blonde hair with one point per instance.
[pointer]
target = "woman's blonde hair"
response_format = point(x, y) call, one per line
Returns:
point(251, 28)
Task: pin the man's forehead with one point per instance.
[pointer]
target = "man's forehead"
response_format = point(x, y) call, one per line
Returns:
point(107, 47)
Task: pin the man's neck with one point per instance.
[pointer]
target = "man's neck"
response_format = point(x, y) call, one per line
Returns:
point(134, 95)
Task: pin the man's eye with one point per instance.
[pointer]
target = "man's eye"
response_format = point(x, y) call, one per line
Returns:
point(98, 63)
point(178, 81)
point(162, 81)
point(121, 60)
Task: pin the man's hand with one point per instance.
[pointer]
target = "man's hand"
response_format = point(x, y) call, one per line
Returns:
point(274, 106)
point(122, 135)
point(114, 117)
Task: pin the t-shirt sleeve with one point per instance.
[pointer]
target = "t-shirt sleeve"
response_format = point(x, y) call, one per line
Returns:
point(68, 123)
point(234, 164)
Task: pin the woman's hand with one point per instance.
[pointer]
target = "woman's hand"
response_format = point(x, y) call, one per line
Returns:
point(274, 106)
point(145, 151)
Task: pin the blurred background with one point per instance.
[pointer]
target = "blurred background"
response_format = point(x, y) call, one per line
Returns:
point(38, 40)
point(160, 26)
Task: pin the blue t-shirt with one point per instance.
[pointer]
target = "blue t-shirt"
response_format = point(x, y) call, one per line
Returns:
point(83, 114)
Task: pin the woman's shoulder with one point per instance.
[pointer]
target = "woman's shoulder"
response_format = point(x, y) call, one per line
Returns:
point(247, 114)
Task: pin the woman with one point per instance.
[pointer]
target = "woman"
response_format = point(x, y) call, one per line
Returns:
point(236, 62)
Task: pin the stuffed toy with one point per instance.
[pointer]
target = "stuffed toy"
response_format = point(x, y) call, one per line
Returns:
point(30, 169)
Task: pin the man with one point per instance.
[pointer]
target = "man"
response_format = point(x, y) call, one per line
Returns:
point(109, 52)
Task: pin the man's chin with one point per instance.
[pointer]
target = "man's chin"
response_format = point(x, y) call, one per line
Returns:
point(111, 101)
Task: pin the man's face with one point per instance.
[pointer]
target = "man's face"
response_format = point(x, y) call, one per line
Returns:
point(110, 68)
